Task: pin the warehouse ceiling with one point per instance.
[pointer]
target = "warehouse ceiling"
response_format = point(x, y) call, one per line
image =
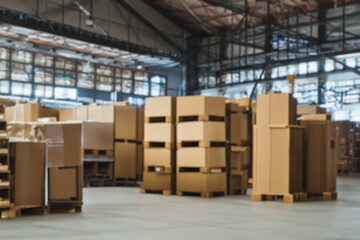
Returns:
point(214, 16)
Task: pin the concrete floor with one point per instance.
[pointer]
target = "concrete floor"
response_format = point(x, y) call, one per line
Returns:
point(123, 213)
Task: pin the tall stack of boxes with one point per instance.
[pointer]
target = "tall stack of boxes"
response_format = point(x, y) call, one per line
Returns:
point(140, 143)
point(320, 158)
point(5, 174)
point(278, 149)
point(125, 146)
point(64, 142)
point(159, 143)
point(201, 155)
point(237, 132)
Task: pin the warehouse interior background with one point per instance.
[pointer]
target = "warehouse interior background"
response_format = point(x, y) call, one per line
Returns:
point(78, 54)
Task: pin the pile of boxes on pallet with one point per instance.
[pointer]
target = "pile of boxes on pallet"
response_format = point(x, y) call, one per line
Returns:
point(354, 146)
point(159, 143)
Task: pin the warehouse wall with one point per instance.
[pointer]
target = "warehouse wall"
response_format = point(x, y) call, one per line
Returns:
point(116, 20)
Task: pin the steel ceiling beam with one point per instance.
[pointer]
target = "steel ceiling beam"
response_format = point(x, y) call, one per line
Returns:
point(230, 6)
point(132, 11)
point(45, 25)
point(178, 22)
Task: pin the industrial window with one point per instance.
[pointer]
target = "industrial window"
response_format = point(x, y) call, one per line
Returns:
point(23, 89)
point(43, 91)
point(86, 75)
point(65, 93)
point(104, 78)
point(4, 87)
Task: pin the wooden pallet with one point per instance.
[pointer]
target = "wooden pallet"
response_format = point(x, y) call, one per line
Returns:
point(160, 119)
point(200, 118)
point(237, 192)
point(166, 145)
point(71, 206)
point(97, 152)
point(159, 169)
point(288, 198)
point(126, 182)
point(326, 196)
point(201, 194)
point(202, 169)
point(163, 192)
point(17, 211)
point(202, 144)
point(7, 212)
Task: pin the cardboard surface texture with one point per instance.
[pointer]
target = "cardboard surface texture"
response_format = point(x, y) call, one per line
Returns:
point(140, 124)
point(158, 157)
point(29, 112)
point(101, 113)
point(200, 105)
point(125, 160)
point(67, 115)
point(158, 181)
point(201, 131)
point(201, 157)
point(64, 184)
point(82, 113)
point(28, 161)
point(98, 135)
point(310, 109)
point(160, 106)
point(64, 144)
point(125, 123)
point(200, 183)
point(159, 132)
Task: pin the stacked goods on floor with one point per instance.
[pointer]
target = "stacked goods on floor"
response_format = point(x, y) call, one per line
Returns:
point(201, 154)
point(238, 150)
point(320, 157)
point(139, 141)
point(5, 174)
point(98, 143)
point(343, 160)
point(29, 112)
point(278, 161)
point(64, 166)
point(159, 143)
point(125, 147)
point(354, 146)
point(309, 110)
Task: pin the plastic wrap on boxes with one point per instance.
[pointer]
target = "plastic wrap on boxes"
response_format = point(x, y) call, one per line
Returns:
point(25, 131)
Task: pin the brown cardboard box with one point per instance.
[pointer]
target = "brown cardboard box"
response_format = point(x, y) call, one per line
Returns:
point(125, 123)
point(65, 184)
point(200, 183)
point(320, 117)
point(154, 181)
point(82, 113)
point(125, 160)
point(275, 109)
point(159, 132)
point(201, 131)
point(159, 157)
point(64, 144)
point(140, 160)
point(98, 135)
point(25, 131)
point(278, 160)
point(243, 102)
point(238, 118)
point(201, 157)
point(28, 166)
point(238, 181)
point(239, 158)
point(140, 125)
point(160, 106)
point(29, 112)
point(101, 113)
point(67, 115)
point(309, 109)
point(320, 157)
point(200, 105)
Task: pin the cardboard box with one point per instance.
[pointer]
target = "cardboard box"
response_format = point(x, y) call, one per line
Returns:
point(320, 158)
point(200, 183)
point(310, 109)
point(125, 123)
point(242, 102)
point(82, 113)
point(26, 131)
point(238, 181)
point(140, 160)
point(28, 167)
point(159, 132)
point(319, 117)
point(201, 157)
point(65, 184)
point(238, 120)
point(275, 109)
point(29, 112)
point(98, 135)
point(125, 160)
point(159, 157)
point(64, 144)
point(160, 106)
point(154, 181)
point(101, 113)
point(140, 124)
point(200, 105)
point(67, 115)
point(201, 131)
point(239, 158)
point(278, 162)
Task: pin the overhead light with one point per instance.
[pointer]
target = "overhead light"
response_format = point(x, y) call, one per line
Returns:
point(139, 67)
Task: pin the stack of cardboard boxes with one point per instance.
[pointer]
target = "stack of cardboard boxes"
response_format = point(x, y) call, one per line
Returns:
point(343, 161)
point(201, 155)
point(64, 140)
point(278, 149)
point(159, 143)
point(140, 143)
point(320, 166)
point(5, 174)
point(238, 150)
